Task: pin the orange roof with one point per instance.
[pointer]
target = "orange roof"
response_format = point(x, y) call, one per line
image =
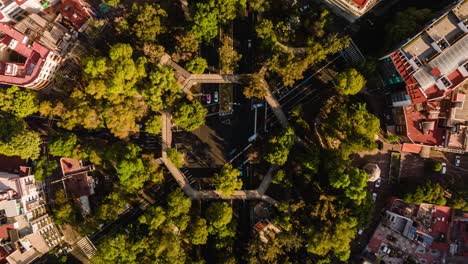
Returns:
point(4, 230)
point(360, 3)
point(411, 148)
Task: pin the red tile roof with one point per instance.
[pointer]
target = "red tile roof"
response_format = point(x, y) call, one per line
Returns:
point(411, 148)
point(73, 11)
point(413, 119)
point(35, 55)
point(4, 230)
point(360, 3)
point(406, 71)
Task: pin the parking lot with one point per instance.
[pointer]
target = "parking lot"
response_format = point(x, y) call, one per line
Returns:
point(224, 134)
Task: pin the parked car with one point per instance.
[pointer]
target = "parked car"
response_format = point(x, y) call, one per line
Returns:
point(216, 98)
point(444, 168)
point(377, 183)
point(374, 197)
point(249, 43)
point(457, 161)
point(208, 98)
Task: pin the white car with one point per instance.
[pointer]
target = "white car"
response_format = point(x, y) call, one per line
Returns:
point(377, 183)
point(444, 168)
point(457, 161)
point(374, 197)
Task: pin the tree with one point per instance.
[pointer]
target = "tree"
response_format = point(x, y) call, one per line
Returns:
point(227, 181)
point(187, 46)
point(114, 77)
point(205, 22)
point(63, 145)
point(178, 204)
point(189, 115)
point(279, 146)
point(112, 3)
point(356, 190)
point(281, 178)
point(44, 168)
point(349, 127)
point(228, 56)
point(406, 23)
point(177, 158)
point(18, 140)
point(146, 21)
point(430, 192)
point(255, 87)
point(162, 89)
point(197, 65)
point(218, 215)
point(153, 125)
point(433, 166)
point(134, 169)
point(265, 31)
point(211, 12)
point(121, 119)
point(333, 237)
point(19, 102)
point(349, 82)
point(198, 231)
point(63, 210)
point(259, 5)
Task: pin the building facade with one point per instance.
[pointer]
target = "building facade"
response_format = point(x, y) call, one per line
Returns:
point(42, 33)
point(433, 68)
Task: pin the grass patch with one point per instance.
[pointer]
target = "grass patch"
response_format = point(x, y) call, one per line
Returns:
point(395, 167)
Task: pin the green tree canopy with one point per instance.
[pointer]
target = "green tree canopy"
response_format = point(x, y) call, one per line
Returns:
point(114, 77)
point(198, 231)
point(44, 168)
point(218, 215)
point(189, 115)
point(255, 87)
point(62, 209)
point(162, 89)
point(19, 102)
point(228, 56)
point(145, 21)
point(210, 13)
point(197, 65)
point(154, 124)
point(349, 82)
point(430, 192)
point(227, 181)
point(135, 169)
point(16, 139)
point(407, 23)
point(333, 237)
point(177, 158)
point(350, 127)
point(63, 145)
point(279, 146)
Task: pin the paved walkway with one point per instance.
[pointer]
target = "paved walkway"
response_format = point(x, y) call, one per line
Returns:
point(186, 80)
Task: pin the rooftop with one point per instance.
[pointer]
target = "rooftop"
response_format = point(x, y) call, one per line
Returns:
point(422, 128)
point(430, 63)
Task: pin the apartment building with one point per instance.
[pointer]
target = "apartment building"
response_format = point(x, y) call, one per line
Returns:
point(351, 9)
point(26, 230)
point(433, 68)
point(35, 38)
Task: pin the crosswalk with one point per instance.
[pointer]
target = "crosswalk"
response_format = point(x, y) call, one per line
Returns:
point(352, 54)
point(87, 247)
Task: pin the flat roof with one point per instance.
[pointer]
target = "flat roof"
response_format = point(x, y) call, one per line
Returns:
point(413, 118)
point(461, 11)
point(446, 28)
point(440, 49)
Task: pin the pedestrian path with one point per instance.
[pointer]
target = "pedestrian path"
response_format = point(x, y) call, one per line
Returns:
point(186, 80)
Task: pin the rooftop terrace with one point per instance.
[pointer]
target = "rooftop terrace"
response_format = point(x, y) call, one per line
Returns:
point(430, 63)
